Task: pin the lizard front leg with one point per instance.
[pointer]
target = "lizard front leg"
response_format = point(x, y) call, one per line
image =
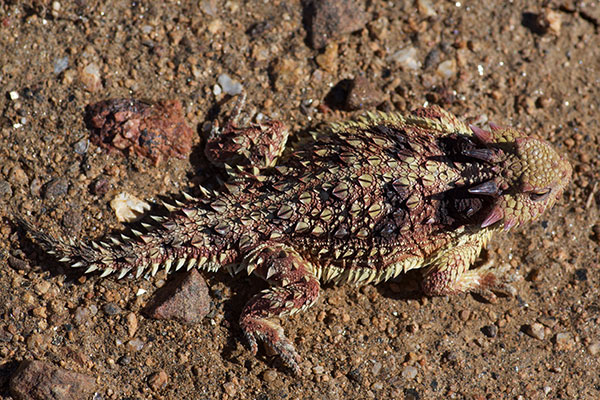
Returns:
point(294, 288)
point(252, 148)
point(450, 273)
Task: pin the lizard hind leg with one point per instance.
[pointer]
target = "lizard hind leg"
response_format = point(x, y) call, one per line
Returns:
point(294, 288)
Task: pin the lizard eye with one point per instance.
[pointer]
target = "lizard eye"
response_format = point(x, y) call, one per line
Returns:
point(540, 195)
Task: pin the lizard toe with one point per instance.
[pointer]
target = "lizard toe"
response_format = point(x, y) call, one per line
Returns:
point(272, 335)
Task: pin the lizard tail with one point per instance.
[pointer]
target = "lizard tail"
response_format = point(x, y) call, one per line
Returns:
point(138, 254)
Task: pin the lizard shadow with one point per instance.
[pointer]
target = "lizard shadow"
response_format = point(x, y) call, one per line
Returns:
point(404, 287)
point(7, 369)
point(20, 260)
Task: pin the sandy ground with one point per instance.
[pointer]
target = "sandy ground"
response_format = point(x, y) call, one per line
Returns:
point(496, 62)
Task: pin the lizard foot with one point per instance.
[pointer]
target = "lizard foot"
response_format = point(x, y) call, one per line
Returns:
point(492, 281)
point(270, 333)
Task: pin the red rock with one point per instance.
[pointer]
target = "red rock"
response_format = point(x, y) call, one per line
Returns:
point(154, 131)
point(362, 94)
point(185, 299)
point(39, 380)
point(331, 19)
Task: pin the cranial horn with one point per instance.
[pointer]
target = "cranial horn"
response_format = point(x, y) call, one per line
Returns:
point(480, 154)
point(494, 216)
point(488, 188)
point(494, 127)
point(483, 135)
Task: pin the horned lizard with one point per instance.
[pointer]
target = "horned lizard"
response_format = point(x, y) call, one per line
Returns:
point(363, 202)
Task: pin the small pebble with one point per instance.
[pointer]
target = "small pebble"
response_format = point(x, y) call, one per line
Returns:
point(81, 315)
point(138, 128)
point(14, 95)
point(230, 86)
point(81, 147)
point(355, 375)
point(18, 176)
point(209, 7)
point(407, 58)
point(90, 77)
point(594, 348)
point(554, 21)
point(132, 324)
point(432, 58)
point(411, 394)
point(42, 287)
point(426, 8)
point(286, 73)
point(35, 187)
point(318, 370)
point(100, 187)
point(135, 344)
point(125, 360)
point(376, 368)
point(490, 330)
point(331, 19)
point(215, 26)
point(158, 380)
point(409, 372)
point(543, 102)
point(230, 389)
point(536, 331)
point(5, 189)
point(28, 298)
point(111, 309)
point(60, 64)
point(17, 263)
point(328, 60)
point(56, 188)
point(547, 21)
point(269, 375)
point(447, 69)
point(563, 340)
point(43, 380)
point(581, 274)
point(40, 312)
point(185, 299)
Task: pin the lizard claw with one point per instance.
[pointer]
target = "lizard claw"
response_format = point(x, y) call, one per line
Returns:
point(272, 335)
point(493, 281)
point(251, 343)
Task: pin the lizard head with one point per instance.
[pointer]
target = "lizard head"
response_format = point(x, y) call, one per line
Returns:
point(531, 176)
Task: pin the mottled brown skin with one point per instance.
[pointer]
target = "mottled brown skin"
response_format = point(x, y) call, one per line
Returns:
point(363, 202)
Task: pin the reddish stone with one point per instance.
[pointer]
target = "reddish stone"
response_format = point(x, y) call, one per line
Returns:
point(38, 380)
point(185, 299)
point(331, 19)
point(154, 131)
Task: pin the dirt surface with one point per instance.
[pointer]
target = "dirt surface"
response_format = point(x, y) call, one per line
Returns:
point(534, 65)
